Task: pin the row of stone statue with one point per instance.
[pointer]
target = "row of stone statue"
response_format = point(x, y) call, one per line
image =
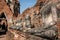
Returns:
point(49, 32)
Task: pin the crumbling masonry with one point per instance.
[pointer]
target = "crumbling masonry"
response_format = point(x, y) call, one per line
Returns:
point(16, 26)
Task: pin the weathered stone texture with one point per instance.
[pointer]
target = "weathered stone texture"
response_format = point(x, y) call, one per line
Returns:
point(34, 20)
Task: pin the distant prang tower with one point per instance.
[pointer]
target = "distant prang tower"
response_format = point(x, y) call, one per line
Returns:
point(14, 6)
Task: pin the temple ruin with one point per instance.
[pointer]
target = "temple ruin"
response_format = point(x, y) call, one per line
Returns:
point(13, 25)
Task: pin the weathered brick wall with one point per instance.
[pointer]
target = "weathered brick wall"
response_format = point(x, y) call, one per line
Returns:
point(58, 24)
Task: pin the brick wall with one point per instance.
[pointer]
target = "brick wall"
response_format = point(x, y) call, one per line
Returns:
point(58, 24)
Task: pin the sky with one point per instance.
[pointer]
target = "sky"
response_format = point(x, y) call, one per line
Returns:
point(24, 4)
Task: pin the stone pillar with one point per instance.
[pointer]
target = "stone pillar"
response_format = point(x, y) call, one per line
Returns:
point(16, 7)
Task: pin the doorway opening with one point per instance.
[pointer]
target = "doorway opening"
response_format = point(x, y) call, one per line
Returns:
point(3, 24)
